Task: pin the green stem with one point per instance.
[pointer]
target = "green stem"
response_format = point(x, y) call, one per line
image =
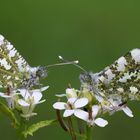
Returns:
point(61, 121)
point(23, 127)
point(71, 130)
point(80, 126)
point(89, 133)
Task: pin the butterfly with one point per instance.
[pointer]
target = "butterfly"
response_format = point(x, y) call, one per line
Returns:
point(119, 81)
point(15, 72)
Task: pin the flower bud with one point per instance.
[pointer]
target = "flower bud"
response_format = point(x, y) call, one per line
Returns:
point(71, 93)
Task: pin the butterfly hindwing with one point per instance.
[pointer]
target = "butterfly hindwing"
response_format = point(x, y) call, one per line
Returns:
point(12, 64)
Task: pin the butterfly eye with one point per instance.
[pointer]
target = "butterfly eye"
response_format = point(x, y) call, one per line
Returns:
point(41, 72)
point(85, 77)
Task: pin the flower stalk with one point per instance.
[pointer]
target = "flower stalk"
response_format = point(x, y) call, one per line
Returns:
point(61, 121)
point(89, 133)
point(71, 129)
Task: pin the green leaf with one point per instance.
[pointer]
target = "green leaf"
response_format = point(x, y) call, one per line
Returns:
point(33, 128)
point(9, 113)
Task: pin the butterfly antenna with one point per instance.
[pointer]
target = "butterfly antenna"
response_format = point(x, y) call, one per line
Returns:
point(64, 63)
point(75, 64)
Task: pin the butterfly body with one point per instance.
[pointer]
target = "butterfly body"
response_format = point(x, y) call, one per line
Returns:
point(33, 76)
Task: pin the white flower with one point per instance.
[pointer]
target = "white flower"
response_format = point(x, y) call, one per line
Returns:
point(71, 106)
point(30, 99)
point(114, 106)
point(90, 117)
point(10, 98)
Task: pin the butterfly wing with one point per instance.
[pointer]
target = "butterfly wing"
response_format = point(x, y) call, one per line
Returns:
point(122, 77)
point(12, 64)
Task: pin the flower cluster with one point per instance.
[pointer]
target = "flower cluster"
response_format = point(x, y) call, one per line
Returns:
point(90, 104)
point(24, 100)
point(80, 105)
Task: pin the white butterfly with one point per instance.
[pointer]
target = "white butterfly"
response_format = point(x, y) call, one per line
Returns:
point(118, 82)
point(14, 70)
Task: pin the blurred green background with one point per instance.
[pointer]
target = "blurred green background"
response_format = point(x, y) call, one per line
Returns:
point(95, 32)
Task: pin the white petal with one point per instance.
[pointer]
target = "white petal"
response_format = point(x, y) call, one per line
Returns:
point(37, 97)
point(4, 95)
point(72, 100)
point(68, 113)
point(23, 103)
point(127, 111)
point(81, 114)
point(59, 105)
point(95, 110)
point(40, 90)
point(42, 101)
point(44, 88)
point(8, 96)
point(101, 122)
point(60, 95)
point(81, 102)
point(24, 93)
